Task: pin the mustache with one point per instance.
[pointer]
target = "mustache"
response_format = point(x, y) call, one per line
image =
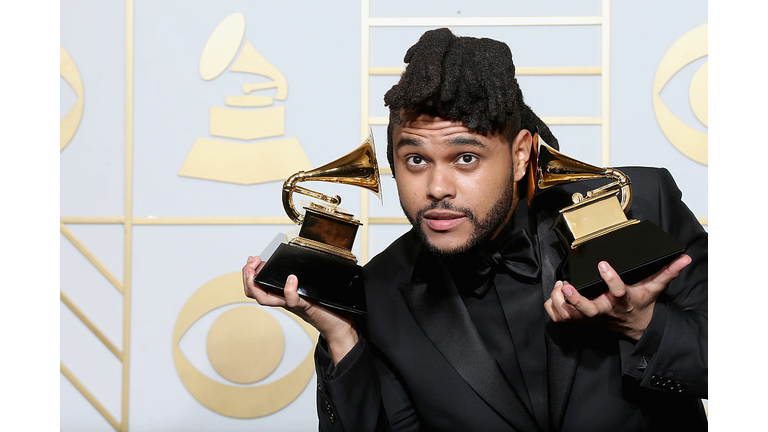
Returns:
point(445, 205)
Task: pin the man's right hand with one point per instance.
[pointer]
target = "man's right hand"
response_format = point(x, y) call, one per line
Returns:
point(337, 328)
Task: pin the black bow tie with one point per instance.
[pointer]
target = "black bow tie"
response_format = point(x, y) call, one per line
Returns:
point(514, 254)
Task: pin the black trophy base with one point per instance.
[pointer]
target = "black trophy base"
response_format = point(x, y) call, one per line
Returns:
point(334, 282)
point(635, 252)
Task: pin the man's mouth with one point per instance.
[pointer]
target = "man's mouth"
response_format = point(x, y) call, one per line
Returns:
point(442, 220)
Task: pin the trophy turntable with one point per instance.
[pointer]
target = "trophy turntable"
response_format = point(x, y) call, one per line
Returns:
point(595, 228)
point(321, 256)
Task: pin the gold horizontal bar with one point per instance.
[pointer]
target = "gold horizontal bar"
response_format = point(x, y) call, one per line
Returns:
point(483, 21)
point(91, 257)
point(394, 71)
point(554, 70)
point(383, 121)
point(91, 326)
point(703, 220)
point(388, 221)
point(89, 396)
point(572, 120)
point(559, 70)
point(378, 121)
point(280, 220)
point(92, 219)
point(385, 170)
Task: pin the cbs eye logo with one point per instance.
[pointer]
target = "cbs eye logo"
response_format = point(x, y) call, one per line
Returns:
point(245, 345)
point(71, 121)
point(691, 142)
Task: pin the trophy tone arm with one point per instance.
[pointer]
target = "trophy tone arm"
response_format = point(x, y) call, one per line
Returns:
point(289, 187)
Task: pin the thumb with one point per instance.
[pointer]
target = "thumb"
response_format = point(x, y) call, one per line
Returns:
point(663, 277)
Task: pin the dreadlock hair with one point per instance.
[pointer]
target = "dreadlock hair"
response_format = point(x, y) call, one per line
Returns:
point(462, 79)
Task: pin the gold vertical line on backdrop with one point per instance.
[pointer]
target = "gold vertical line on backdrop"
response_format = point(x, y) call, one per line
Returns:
point(605, 128)
point(127, 223)
point(365, 40)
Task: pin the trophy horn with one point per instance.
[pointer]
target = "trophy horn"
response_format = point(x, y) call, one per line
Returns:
point(356, 168)
point(548, 167)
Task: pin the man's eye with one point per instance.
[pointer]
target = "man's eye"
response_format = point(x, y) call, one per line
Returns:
point(466, 159)
point(415, 160)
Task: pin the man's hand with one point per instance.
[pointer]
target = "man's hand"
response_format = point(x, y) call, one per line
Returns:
point(626, 309)
point(336, 328)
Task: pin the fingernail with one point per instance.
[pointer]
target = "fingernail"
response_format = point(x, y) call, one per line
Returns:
point(568, 291)
point(558, 284)
point(291, 279)
point(603, 266)
point(250, 258)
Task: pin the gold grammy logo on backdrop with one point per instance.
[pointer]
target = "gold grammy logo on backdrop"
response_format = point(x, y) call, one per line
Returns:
point(251, 117)
point(69, 124)
point(691, 142)
point(245, 345)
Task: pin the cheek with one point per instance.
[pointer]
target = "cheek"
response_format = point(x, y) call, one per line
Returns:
point(407, 191)
point(482, 191)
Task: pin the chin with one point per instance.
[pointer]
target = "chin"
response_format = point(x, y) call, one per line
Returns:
point(441, 245)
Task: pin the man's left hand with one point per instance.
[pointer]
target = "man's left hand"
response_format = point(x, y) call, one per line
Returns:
point(626, 309)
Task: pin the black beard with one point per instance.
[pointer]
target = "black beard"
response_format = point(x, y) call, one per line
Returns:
point(483, 228)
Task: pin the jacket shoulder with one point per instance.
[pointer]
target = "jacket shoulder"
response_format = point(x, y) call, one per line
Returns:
point(394, 263)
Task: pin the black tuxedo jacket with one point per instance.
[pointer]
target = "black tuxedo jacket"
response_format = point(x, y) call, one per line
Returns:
point(421, 364)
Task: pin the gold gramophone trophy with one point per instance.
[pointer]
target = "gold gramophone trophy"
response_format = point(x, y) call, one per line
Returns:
point(320, 256)
point(595, 228)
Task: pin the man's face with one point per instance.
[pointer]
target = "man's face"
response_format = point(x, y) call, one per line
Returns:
point(456, 186)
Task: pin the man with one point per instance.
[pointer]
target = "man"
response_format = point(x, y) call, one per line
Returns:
point(468, 327)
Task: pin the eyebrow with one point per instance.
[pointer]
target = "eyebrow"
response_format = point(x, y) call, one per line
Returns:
point(408, 142)
point(459, 141)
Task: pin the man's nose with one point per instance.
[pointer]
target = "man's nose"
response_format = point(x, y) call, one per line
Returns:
point(441, 185)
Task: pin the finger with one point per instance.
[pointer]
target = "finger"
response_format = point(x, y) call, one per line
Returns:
point(254, 291)
point(250, 270)
point(663, 277)
point(264, 297)
point(553, 315)
point(616, 286)
point(260, 266)
point(557, 298)
point(246, 274)
point(253, 261)
point(291, 293)
point(561, 305)
point(584, 306)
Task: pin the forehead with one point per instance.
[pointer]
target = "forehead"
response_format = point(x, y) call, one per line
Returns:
point(426, 129)
point(426, 124)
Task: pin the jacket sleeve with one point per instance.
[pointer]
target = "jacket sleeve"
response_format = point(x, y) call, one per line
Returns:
point(671, 356)
point(352, 395)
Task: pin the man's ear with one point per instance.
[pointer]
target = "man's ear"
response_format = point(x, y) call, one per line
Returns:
point(521, 152)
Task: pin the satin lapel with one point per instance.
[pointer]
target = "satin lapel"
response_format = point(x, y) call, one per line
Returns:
point(437, 308)
point(562, 358)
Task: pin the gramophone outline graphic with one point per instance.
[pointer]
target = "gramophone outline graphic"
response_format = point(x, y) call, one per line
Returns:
point(321, 255)
point(595, 227)
point(246, 118)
